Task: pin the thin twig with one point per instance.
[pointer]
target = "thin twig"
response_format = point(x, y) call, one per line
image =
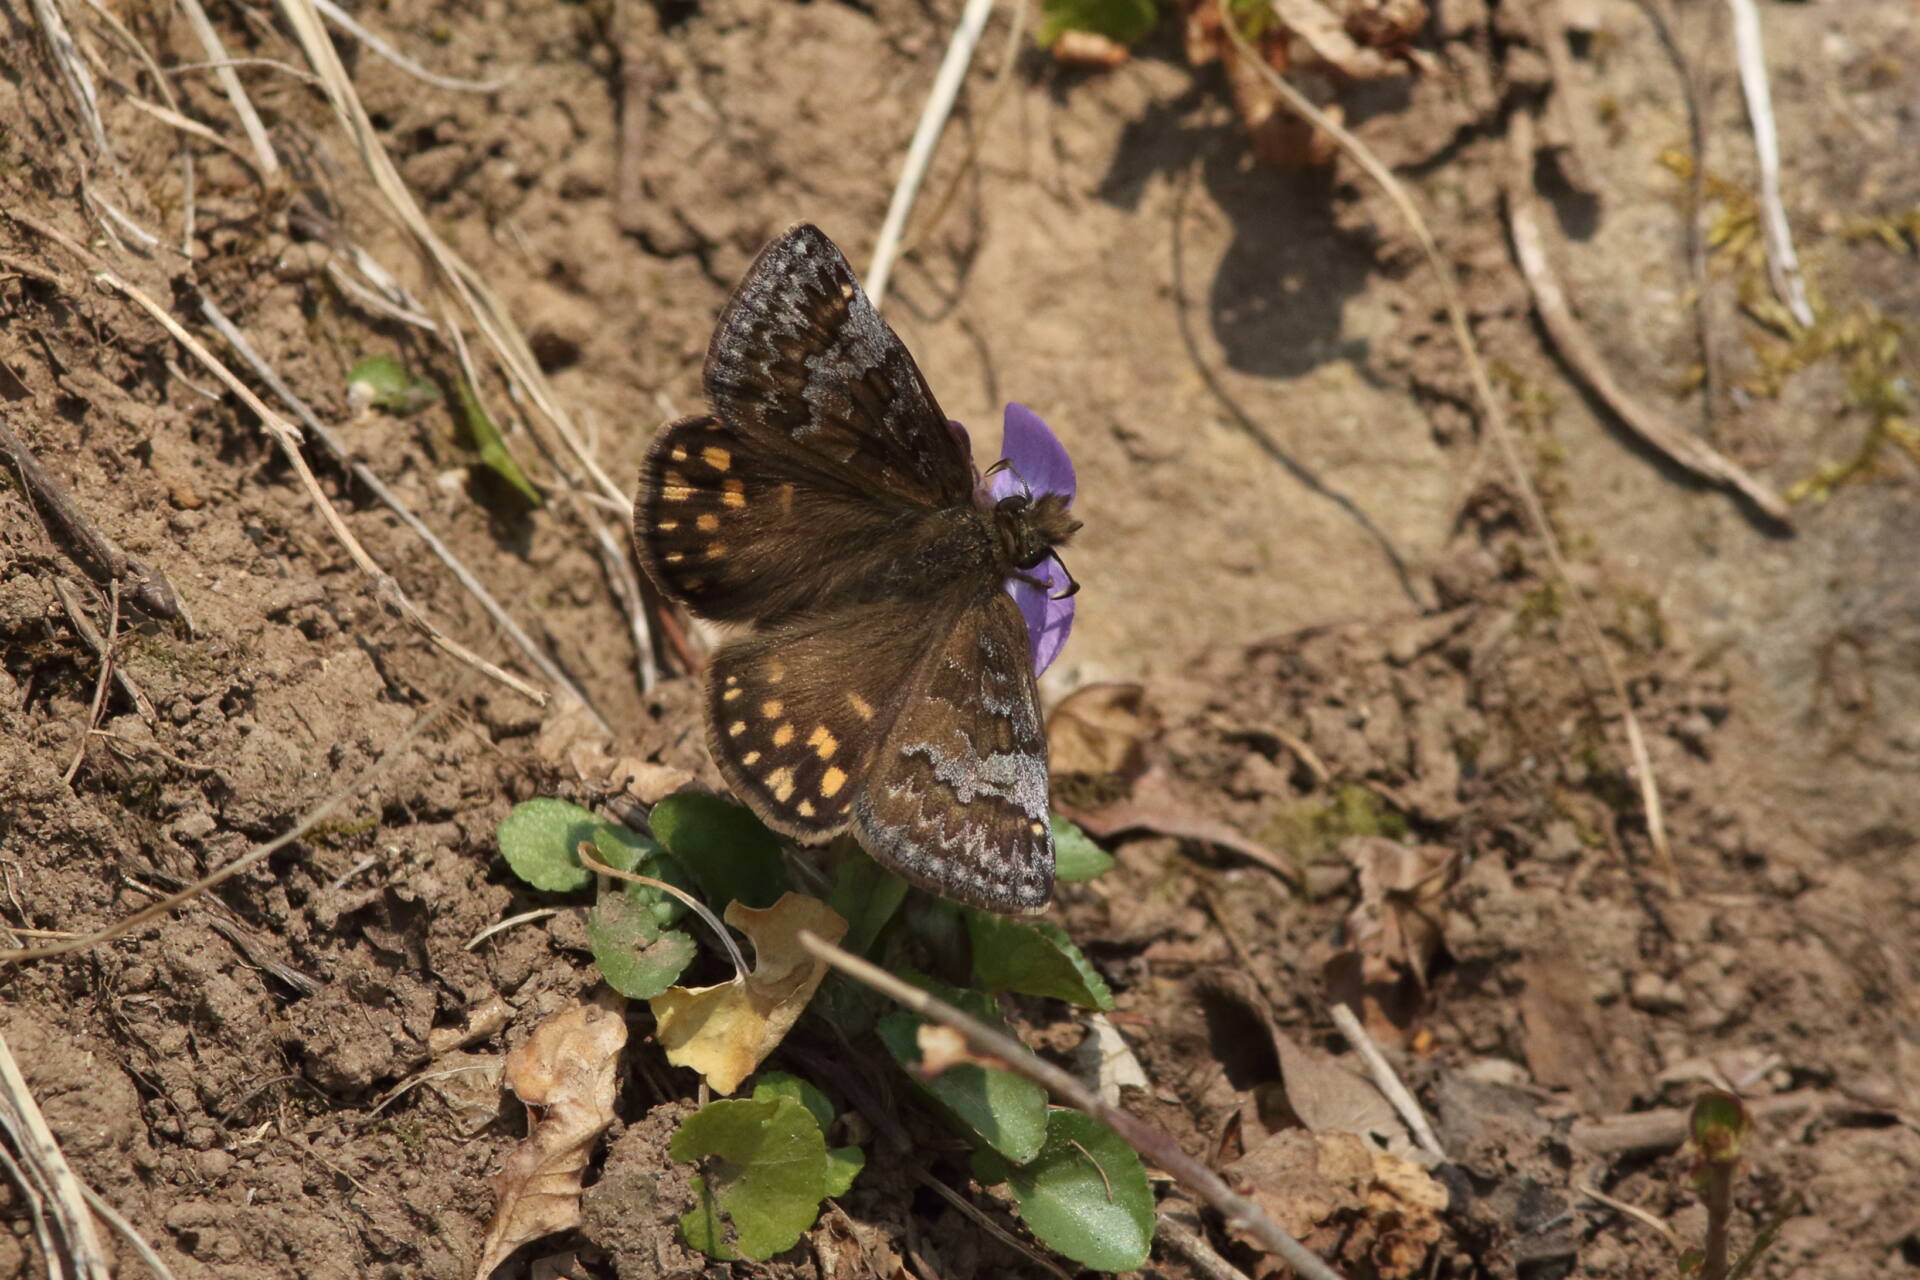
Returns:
point(163, 906)
point(1194, 1248)
point(1155, 1144)
point(236, 92)
point(987, 1224)
point(103, 647)
point(1389, 1081)
point(99, 704)
point(1691, 454)
point(926, 136)
point(1634, 1211)
point(1783, 265)
point(97, 555)
point(1495, 419)
point(345, 21)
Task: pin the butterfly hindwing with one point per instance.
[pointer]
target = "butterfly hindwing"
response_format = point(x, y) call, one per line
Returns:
point(801, 355)
point(956, 798)
point(796, 713)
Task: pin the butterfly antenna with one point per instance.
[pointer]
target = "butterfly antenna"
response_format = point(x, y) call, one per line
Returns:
point(1006, 464)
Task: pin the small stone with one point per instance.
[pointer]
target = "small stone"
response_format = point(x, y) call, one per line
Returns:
point(1651, 993)
point(213, 1164)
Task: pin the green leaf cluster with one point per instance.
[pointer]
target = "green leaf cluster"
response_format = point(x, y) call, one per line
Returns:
point(765, 1168)
point(765, 1164)
point(630, 926)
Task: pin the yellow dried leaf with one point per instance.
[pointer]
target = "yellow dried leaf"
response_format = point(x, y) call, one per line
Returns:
point(724, 1032)
point(569, 1067)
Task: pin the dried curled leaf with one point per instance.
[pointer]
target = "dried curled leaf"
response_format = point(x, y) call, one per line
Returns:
point(569, 1067)
point(1350, 1204)
point(1397, 923)
point(724, 1032)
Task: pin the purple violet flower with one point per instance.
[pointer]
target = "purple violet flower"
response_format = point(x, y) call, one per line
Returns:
point(1040, 465)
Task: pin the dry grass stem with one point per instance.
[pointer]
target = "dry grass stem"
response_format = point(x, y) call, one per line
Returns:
point(154, 1262)
point(1783, 264)
point(926, 136)
point(345, 21)
point(45, 1173)
point(1634, 1211)
point(1155, 1145)
point(1389, 1081)
point(73, 71)
point(511, 922)
point(165, 905)
point(741, 968)
point(1495, 420)
point(268, 162)
point(1694, 456)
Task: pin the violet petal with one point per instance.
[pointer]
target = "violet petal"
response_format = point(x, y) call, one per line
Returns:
point(1036, 454)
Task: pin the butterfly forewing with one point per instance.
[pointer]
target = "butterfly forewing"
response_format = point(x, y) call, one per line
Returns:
point(801, 356)
point(956, 798)
point(742, 530)
point(796, 713)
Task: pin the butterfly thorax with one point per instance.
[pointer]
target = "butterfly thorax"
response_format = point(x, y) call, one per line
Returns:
point(1028, 529)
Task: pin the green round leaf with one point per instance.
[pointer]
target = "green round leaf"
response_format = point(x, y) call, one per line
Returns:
point(1085, 1195)
point(637, 957)
point(780, 1084)
point(1075, 856)
point(1036, 959)
point(723, 846)
point(843, 1166)
point(539, 840)
point(1127, 21)
point(764, 1170)
point(1006, 1111)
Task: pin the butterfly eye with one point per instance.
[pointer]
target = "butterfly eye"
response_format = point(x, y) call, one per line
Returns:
point(1012, 502)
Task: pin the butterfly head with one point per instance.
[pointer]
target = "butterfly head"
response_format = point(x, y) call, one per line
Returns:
point(1031, 528)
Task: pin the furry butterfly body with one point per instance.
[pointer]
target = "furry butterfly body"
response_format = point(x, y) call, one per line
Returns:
point(884, 683)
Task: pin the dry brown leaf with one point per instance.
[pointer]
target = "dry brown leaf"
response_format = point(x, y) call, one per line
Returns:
point(1100, 729)
point(1328, 1098)
point(724, 1032)
point(469, 1084)
point(1324, 32)
point(1397, 923)
point(569, 1068)
point(1346, 1202)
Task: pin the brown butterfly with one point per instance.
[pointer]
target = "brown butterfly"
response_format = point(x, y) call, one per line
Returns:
point(885, 681)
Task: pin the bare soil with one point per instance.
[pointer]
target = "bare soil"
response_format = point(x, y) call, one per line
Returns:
point(1296, 540)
